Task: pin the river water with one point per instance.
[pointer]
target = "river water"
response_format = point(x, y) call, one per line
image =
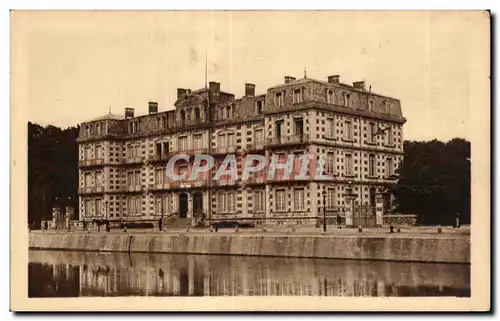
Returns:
point(74, 274)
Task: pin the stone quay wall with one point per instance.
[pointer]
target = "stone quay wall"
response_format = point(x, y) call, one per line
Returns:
point(443, 249)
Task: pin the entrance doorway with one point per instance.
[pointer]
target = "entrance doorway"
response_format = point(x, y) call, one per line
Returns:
point(197, 202)
point(183, 205)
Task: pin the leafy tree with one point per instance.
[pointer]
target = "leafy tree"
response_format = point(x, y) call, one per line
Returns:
point(435, 181)
point(52, 169)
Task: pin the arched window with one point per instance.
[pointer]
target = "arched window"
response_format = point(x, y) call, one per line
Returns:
point(228, 112)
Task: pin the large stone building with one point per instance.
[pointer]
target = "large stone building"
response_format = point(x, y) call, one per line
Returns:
point(122, 167)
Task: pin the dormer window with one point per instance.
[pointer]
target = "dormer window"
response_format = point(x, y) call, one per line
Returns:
point(347, 100)
point(279, 99)
point(259, 107)
point(330, 97)
point(371, 103)
point(386, 107)
point(297, 96)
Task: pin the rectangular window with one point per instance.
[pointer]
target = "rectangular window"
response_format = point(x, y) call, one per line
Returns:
point(159, 149)
point(348, 165)
point(348, 130)
point(389, 136)
point(130, 151)
point(280, 200)
point(371, 132)
point(138, 206)
point(230, 202)
point(258, 201)
point(298, 199)
point(98, 152)
point(221, 141)
point(98, 204)
point(130, 205)
point(88, 207)
point(158, 209)
point(99, 180)
point(221, 202)
point(137, 180)
point(88, 179)
point(159, 176)
point(299, 127)
point(330, 97)
point(371, 165)
point(197, 142)
point(330, 128)
point(330, 163)
point(130, 178)
point(259, 136)
point(183, 143)
point(230, 140)
point(388, 167)
point(330, 198)
point(279, 128)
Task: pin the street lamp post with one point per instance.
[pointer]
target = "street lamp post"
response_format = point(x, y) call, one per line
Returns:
point(324, 210)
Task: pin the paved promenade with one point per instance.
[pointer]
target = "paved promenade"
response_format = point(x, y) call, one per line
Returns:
point(415, 231)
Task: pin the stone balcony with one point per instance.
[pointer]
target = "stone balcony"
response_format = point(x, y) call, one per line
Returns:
point(90, 190)
point(132, 160)
point(133, 189)
point(287, 140)
point(86, 163)
point(224, 150)
point(225, 182)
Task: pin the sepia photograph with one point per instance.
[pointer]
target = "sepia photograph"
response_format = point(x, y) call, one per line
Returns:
point(250, 160)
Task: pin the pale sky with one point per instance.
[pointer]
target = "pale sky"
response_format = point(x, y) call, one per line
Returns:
point(80, 63)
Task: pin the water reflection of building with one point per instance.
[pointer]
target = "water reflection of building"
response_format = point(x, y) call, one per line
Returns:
point(181, 275)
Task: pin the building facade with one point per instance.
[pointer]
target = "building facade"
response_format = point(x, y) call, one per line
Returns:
point(122, 159)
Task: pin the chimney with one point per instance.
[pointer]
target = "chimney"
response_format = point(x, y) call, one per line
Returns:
point(181, 92)
point(214, 87)
point(289, 79)
point(129, 113)
point(335, 79)
point(249, 90)
point(359, 85)
point(153, 107)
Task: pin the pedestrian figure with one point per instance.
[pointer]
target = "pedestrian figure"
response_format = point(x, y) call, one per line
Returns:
point(339, 221)
point(160, 224)
point(457, 220)
point(108, 227)
point(84, 226)
point(46, 225)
